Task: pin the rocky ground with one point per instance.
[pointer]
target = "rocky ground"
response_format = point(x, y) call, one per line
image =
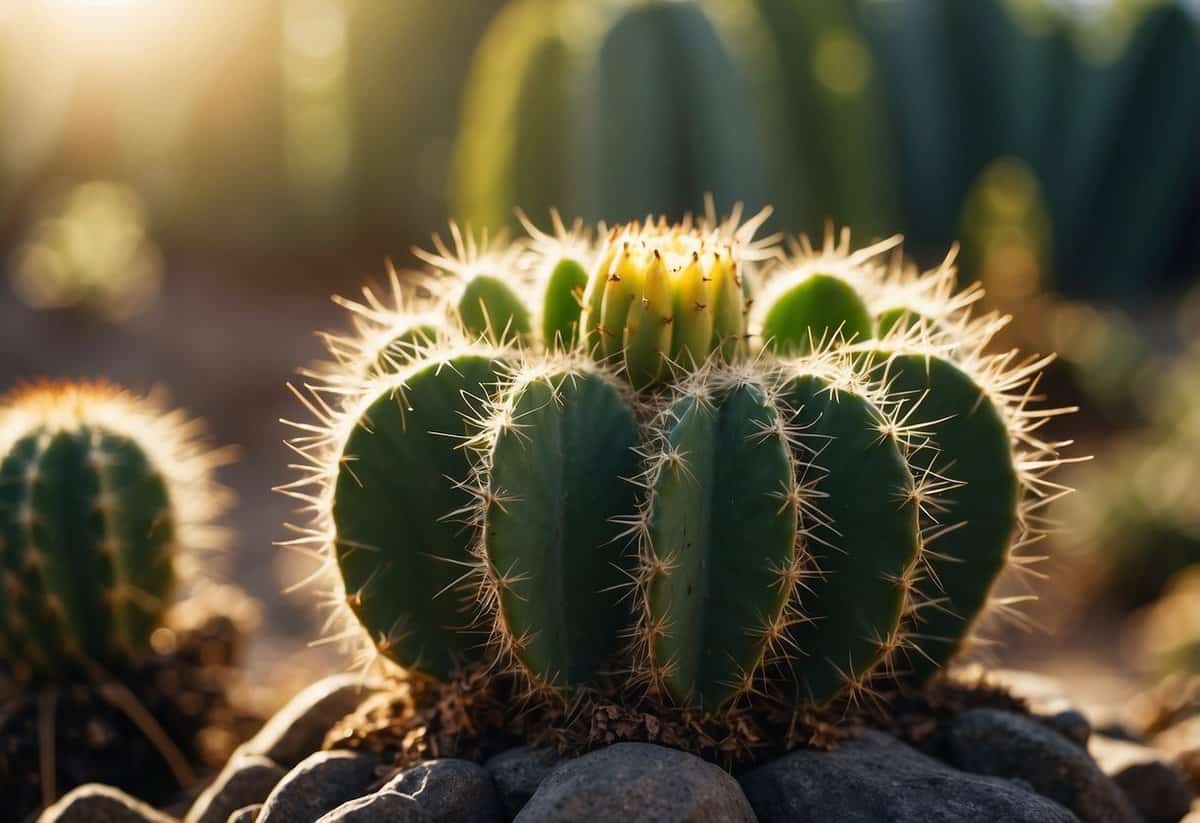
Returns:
point(1053, 762)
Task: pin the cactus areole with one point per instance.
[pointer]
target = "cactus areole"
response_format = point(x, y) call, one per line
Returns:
point(695, 465)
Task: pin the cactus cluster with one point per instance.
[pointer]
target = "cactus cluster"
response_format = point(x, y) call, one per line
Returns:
point(100, 494)
point(705, 467)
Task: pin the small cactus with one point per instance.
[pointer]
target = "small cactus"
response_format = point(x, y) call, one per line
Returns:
point(101, 496)
point(658, 491)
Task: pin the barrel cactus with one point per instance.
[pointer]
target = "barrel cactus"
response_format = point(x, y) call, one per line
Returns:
point(635, 506)
point(102, 497)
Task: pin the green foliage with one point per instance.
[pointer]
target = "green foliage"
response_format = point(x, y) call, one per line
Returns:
point(640, 504)
point(100, 494)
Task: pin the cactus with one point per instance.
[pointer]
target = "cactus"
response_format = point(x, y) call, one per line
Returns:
point(554, 451)
point(664, 295)
point(624, 500)
point(577, 90)
point(101, 495)
point(931, 354)
point(486, 300)
point(387, 530)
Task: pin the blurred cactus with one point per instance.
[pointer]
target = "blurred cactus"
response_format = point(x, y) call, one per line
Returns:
point(101, 496)
point(621, 107)
point(712, 522)
point(1069, 93)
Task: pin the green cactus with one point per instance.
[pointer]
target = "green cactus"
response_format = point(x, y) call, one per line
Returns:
point(865, 542)
point(720, 542)
point(487, 301)
point(101, 495)
point(645, 505)
point(662, 297)
point(390, 483)
point(555, 452)
point(930, 353)
point(578, 90)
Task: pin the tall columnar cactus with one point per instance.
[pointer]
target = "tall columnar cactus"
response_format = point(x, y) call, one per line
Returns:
point(578, 90)
point(101, 496)
point(626, 500)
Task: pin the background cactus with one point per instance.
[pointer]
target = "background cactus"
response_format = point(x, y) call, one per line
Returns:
point(712, 530)
point(101, 497)
point(578, 90)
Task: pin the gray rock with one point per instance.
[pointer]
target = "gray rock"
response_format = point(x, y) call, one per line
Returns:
point(877, 779)
point(320, 783)
point(94, 803)
point(630, 782)
point(1157, 788)
point(298, 729)
point(246, 779)
point(1048, 701)
point(382, 807)
point(450, 791)
point(1071, 724)
point(1004, 744)
point(518, 772)
point(246, 814)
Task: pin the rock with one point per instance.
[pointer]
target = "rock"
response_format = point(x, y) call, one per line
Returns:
point(321, 782)
point(449, 791)
point(246, 779)
point(94, 803)
point(1071, 724)
point(630, 782)
point(1004, 744)
point(246, 814)
point(877, 778)
point(382, 807)
point(518, 772)
point(1047, 700)
point(298, 729)
point(1157, 788)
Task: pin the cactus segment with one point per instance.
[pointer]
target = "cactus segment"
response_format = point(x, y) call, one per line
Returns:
point(668, 295)
point(98, 491)
point(729, 308)
point(398, 554)
point(814, 311)
point(490, 309)
point(648, 326)
point(557, 454)
point(864, 541)
point(561, 304)
point(720, 554)
point(981, 508)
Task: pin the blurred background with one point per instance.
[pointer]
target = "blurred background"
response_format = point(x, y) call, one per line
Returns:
point(183, 183)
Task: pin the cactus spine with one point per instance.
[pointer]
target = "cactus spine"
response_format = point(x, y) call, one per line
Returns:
point(644, 504)
point(101, 493)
